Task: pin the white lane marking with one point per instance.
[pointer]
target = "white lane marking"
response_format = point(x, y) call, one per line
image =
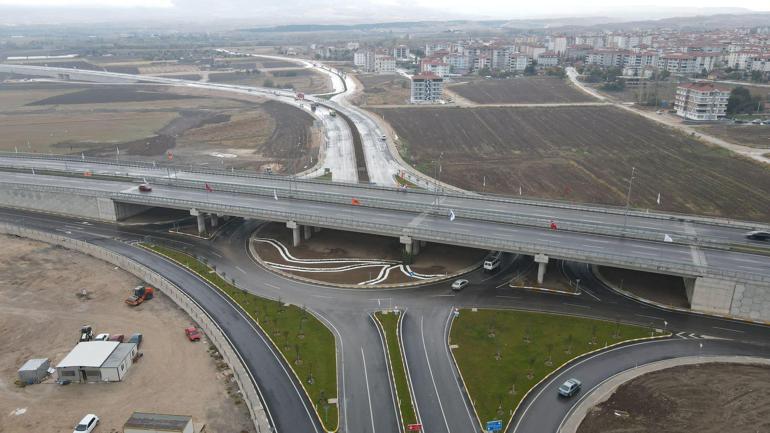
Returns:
point(576, 305)
point(215, 254)
point(430, 370)
point(503, 284)
point(341, 358)
point(507, 297)
point(591, 295)
point(239, 268)
point(728, 329)
point(649, 317)
point(368, 394)
point(272, 286)
point(452, 364)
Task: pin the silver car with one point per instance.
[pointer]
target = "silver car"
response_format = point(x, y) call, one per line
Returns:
point(459, 285)
point(569, 388)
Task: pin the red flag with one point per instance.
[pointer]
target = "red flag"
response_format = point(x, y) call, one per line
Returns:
point(553, 225)
point(414, 427)
point(355, 202)
point(170, 156)
point(208, 188)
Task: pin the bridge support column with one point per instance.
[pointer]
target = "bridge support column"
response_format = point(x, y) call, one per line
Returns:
point(294, 231)
point(416, 247)
point(201, 220)
point(542, 262)
point(408, 244)
point(423, 243)
point(316, 229)
point(214, 220)
point(308, 232)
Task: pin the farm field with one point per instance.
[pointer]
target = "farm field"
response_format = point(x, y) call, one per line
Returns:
point(301, 80)
point(519, 90)
point(581, 154)
point(384, 89)
point(747, 135)
point(148, 122)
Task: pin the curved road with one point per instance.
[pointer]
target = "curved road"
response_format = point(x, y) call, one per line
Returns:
point(366, 401)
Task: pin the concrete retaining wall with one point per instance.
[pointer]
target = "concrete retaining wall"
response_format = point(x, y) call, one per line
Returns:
point(99, 208)
point(751, 301)
point(711, 295)
point(209, 327)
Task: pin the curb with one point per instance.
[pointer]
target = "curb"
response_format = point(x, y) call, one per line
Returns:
point(261, 262)
point(627, 294)
point(265, 333)
point(389, 364)
point(459, 372)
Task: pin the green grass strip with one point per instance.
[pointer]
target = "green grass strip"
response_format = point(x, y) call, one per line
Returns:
point(390, 326)
point(502, 354)
point(307, 345)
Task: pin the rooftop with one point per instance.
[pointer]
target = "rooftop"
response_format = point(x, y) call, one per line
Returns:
point(119, 354)
point(157, 421)
point(703, 87)
point(89, 354)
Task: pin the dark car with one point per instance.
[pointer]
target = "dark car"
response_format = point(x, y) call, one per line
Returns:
point(758, 235)
point(136, 339)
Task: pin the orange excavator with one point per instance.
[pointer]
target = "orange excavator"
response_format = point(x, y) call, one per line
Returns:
point(141, 294)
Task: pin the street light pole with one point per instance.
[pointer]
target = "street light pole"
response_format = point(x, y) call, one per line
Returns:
point(437, 176)
point(628, 199)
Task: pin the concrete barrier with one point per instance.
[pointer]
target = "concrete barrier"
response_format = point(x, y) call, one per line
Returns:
point(243, 378)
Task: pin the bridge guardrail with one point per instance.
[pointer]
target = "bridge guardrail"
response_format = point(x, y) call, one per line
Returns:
point(432, 235)
point(473, 198)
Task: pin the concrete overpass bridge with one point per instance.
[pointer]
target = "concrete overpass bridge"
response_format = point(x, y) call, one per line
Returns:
point(723, 272)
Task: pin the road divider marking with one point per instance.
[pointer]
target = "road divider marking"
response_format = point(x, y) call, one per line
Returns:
point(728, 329)
point(576, 305)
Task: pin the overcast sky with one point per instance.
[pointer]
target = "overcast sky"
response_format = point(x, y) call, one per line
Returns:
point(382, 10)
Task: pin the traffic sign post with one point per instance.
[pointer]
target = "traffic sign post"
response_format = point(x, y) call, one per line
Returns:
point(496, 425)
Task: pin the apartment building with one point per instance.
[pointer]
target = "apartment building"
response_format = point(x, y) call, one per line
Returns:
point(426, 88)
point(401, 52)
point(701, 101)
point(548, 59)
point(435, 66)
point(370, 61)
point(519, 62)
point(687, 63)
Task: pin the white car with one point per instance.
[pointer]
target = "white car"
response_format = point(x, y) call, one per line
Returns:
point(87, 424)
point(102, 337)
point(459, 285)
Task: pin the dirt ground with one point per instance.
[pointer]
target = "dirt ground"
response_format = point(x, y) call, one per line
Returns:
point(149, 122)
point(41, 316)
point(434, 259)
point(665, 289)
point(746, 134)
point(384, 90)
point(519, 90)
point(581, 154)
point(706, 398)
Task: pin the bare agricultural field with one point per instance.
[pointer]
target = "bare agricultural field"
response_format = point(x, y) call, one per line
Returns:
point(385, 89)
point(301, 80)
point(713, 397)
point(41, 315)
point(520, 90)
point(581, 154)
point(151, 122)
point(746, 135)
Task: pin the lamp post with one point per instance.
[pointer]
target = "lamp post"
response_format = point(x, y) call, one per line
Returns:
point(628, 199)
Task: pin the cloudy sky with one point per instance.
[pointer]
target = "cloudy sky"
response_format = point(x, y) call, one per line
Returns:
point(383, 10)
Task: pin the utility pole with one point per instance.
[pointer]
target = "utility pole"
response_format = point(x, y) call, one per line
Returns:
point(628, 198)
point(437, 176)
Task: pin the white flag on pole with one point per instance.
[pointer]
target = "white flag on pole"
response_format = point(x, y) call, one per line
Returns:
point(275, 194)
point(667, 238)
point(519, 189)
point(658, 199)
point(451, 215)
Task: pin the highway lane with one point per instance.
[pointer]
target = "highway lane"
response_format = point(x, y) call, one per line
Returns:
point(544, 411)
point(227, 250)
point(681, 228)
point(557, 244)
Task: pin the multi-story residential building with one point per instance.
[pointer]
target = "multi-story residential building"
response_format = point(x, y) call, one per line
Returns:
point(361, 59)
point(384, 64)
point(430, 49)
point(458, 63)
point(426, 88)
point(607, 58)
point(548, 59)
point(482, 62)
point(687, 63)
point(761, 63)
point(435, 66)
point(401, 52)
point(701, 101)
point(370, 61)
point(519, 62)
point(533, 51)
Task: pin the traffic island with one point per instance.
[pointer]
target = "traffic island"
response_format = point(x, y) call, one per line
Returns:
point(306, 344)
point(356, 259)
point(389, 324)
point(503, 354)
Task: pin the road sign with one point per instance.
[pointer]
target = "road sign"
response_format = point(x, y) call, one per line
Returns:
point(414, 427)
point(495, 425)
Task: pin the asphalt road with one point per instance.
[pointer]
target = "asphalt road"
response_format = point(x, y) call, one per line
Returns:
point(606, 250)
point(366, 401)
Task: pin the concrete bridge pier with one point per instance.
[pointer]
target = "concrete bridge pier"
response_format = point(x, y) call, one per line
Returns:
point(201, 220)
point(416, 247)
point(294, 231)
point(308, 232)
point(214, 220)
point(316, 229)
point(408, 244)
point(542, 262)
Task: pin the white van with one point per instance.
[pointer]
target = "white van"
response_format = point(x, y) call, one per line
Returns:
point(492, 261)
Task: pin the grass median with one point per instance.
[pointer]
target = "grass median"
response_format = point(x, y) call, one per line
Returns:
point(502, 354)
point(390, 322)
point(307, 345)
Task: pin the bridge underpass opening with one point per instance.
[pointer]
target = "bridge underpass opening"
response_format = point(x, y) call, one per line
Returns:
point(660, 288)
